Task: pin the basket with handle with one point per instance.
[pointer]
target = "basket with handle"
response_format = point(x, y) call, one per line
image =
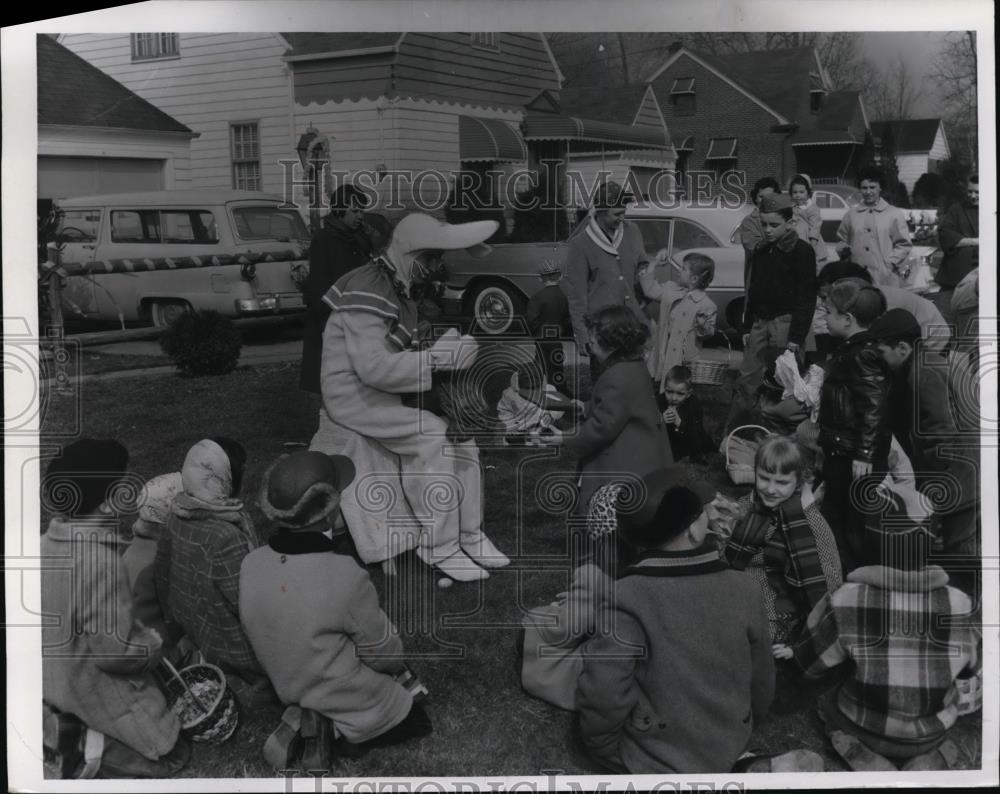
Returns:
point(707, 372)
point(740, 451)
point(203, 702)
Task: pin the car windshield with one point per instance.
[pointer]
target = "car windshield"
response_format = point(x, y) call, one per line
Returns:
point(269, 223)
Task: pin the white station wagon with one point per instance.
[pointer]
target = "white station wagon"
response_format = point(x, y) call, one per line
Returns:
point(137, 244)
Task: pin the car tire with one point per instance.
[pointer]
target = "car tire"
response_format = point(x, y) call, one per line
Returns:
point(494, 308)
point(165, 313)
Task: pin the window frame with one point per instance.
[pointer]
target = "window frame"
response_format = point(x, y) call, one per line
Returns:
point(161, 55)
point(236, 162)
point(160, 238)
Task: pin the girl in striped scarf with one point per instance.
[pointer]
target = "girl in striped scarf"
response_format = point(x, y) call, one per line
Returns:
point(782, 540)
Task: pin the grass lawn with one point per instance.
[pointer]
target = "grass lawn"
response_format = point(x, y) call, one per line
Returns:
point(462, 639)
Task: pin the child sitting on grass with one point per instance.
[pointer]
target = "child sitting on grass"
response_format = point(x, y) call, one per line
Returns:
point(687, 315)
point(685, 418)
point(680, 670)
point(903, 633)
point(782, 540)
point(313, 617)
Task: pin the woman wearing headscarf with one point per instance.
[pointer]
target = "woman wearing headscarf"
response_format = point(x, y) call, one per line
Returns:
point(370, 360)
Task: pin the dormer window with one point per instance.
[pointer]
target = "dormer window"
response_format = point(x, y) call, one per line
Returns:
point(153, 46)
point(682, 96)
point(816, 100)
point(486, 41)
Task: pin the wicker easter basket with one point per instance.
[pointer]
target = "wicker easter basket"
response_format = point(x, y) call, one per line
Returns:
point(203, 702)
point(741, 449)
point(707, 372)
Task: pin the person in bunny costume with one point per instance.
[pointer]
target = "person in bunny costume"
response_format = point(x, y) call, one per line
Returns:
point(370, 360)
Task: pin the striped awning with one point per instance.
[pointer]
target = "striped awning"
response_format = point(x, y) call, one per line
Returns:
point(721, 149)
point(824, 138)
point(489, 140)
point(554, 127)
point(683, 85)
point(687, 145)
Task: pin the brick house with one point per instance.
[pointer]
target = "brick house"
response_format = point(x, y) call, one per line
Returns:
point(759, 114)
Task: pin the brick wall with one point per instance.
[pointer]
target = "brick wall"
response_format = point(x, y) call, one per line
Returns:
point(722, 111)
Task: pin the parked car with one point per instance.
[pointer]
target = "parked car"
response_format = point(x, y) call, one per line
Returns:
point(493, 290)
point(176, 224)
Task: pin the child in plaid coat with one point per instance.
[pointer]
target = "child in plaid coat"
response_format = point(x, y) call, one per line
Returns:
point(908, 637)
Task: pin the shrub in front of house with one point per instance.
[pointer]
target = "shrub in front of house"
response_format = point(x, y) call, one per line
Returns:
point(203, 343)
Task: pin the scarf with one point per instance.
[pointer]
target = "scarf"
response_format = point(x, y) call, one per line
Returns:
point(803, 573)
point(596, 233)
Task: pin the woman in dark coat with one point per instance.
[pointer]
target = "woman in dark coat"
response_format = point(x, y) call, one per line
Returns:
point(339, 247)
point(623, 435)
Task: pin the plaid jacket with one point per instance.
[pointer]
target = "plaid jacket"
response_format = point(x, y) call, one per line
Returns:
point(198, 576)
point(908, 636)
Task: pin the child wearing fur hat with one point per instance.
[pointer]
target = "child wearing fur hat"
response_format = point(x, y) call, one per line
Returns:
point(98, 658)
point(683, 642)
point(782, 540)
point(313, 614)
point(197, 565)
point(901, 697)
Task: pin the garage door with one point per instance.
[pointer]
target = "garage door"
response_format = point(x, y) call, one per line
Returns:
point(63, 177)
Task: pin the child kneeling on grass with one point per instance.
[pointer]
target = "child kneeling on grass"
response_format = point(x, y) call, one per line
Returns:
point(684, 416)
point(906, 636)
point(314, 620)
point(782, 541)
point(680, 669)
point(104, 714)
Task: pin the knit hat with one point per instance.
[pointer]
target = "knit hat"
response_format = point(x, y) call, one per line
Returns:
point(157, 496)
point(775, 202)
point(896, 324)
point(661, 506)
point(897, 527)
point(300, 491)
point(549, 268)
point(83, 476)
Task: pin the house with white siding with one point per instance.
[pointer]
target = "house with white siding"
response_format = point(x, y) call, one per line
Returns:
point(920, 146)
point(400, 113)
point(97, 136)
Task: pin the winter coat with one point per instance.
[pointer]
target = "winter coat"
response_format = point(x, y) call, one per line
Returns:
point(96, 660)
point(623, 430)
point(600, 273)
point(960, 220)
point(809, 227)
point(853, 407)
point(314, 620)
point(686, 317)
point(335, 250)
point(548, 312)
point(681, 669)
point(198, 561)
point(782, 281)
point(879, 239)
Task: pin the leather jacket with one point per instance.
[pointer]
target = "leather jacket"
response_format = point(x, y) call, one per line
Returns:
point(853, 408)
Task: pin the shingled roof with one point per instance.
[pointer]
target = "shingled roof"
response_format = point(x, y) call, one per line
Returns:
point(316, 43)
point(910, 135)
point(74, 92)
point(618, 104)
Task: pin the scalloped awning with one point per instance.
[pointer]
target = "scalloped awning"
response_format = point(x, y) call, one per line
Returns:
point(554, 127)
point(489, 140)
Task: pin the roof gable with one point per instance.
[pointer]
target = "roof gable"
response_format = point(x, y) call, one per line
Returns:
point(73, 92)
point(778, 77)
point(618, 104)
point(910, 135)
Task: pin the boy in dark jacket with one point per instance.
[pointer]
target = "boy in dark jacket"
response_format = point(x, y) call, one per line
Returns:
point(781, 285)
point(680, 669)
point(684, 416)
point(854, 431)
point(549, 322)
